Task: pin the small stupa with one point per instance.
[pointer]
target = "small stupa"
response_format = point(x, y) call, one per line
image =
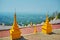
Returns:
point(47, 28)
point(35, 29)
point(15, 32)
point(31, 24)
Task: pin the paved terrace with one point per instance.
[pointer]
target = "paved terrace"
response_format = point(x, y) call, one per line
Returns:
point(25, 30)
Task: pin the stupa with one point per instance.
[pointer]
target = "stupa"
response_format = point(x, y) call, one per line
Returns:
point(35, 29)
point(46, 27)
point(31, 24)
point(15, 32)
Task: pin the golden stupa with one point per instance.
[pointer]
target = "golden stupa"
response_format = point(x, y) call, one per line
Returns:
point(15, 32)
point(35, 29)
point(47, 28)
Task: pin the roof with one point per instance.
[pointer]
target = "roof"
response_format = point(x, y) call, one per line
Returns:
point(55, 21)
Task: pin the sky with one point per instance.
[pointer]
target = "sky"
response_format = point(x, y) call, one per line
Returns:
point(29, 6)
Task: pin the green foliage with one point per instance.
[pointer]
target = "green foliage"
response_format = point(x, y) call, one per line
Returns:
point(51, 18)
point(58, 15)
point(54, 15)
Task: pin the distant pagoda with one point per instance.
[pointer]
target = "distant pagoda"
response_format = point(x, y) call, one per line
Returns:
point(47, 28)
point(15, 32)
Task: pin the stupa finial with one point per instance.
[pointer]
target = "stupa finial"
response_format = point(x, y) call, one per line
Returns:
point(47, 19)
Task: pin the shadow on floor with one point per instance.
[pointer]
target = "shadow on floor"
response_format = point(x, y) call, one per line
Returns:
point(54, 33)
point(22, 38)
point(57, 33)
point(51, 33)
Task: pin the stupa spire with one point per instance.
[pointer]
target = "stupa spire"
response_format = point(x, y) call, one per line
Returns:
point(15, 18)
point(15, 21)
point(47, 19)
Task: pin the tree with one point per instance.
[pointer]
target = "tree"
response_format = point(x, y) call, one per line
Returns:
point(59, 15)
